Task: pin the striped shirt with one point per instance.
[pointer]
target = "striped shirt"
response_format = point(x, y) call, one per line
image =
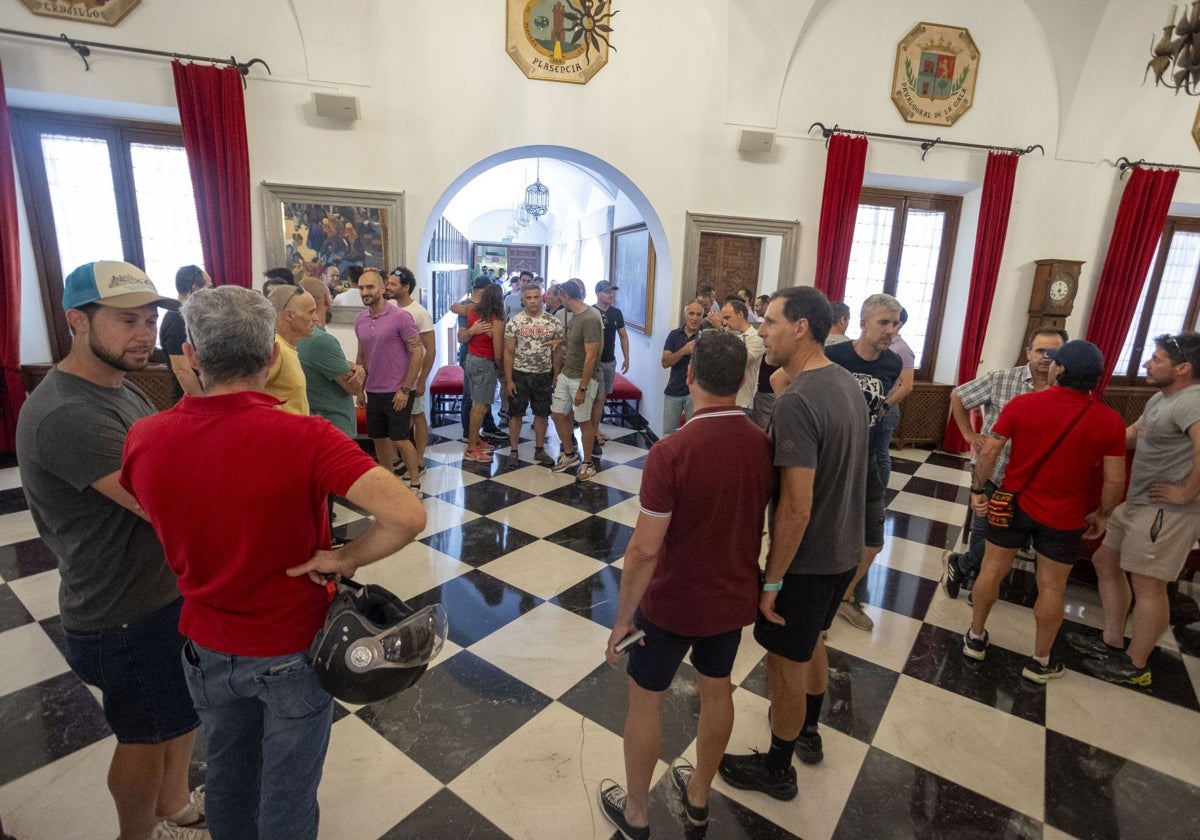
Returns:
point(990, 393)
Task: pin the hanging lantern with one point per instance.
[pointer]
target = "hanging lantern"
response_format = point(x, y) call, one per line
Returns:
point(537, 196)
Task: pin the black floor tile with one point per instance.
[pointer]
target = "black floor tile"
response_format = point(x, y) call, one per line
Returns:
point(938, 490)
point(904, 465)
point(856, 698)
point(477, 605)
point(44, 722)
point(893, 799)
point(445, 815)
point(1095, 795)
point(937, 658)
point(727, 819)
point(459, 711)
point(637, 463)
point(945, 459)
point(594, 597)
point(897, 591)
point(479, 541)
point(632, 439)
point(12, 611)
point(587, 495)
point(25, 558)
point(13, 500)
point(485, 497)
point(603, 697)
point(596, 537)
point(919, 529)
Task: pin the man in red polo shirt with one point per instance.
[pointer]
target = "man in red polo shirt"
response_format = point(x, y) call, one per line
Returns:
point(1058, 437)
point(691, 580)
point(249, 541)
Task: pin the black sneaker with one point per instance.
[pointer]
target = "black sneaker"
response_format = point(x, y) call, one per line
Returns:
point(749, 772)
point(1091, 645)
point(681, 774)
point(1035, 671)
point(1119, 668)
point(612, 803)
point(495, 437)
point(808, 747)
point(975, 648)
point(953, 577)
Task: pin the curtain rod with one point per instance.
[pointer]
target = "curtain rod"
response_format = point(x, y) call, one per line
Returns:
point(1125, 164)
point(926, 143)
point(83, 49)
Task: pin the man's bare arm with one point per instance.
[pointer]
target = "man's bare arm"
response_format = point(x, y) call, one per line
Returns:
point(792, 515)
point(641, 556)
point(962, 419)
point(110, 486)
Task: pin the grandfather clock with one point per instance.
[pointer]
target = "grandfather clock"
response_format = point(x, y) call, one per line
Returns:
point(1055, 284)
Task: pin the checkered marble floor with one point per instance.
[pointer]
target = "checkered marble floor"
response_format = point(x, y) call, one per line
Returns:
point(510, 732)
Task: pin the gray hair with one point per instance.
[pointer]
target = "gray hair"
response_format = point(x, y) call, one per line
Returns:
point(880, 301)
point(280, 295)
point(232, 331)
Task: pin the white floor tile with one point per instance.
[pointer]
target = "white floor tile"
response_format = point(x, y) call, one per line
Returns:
point(65, 799)
point(539, 517)
point(414, 569)
point(39, 593)
point(27, 656)
point(542, 569)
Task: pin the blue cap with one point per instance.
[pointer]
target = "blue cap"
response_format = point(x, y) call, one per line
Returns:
point(110, 283)
point(1081, 358)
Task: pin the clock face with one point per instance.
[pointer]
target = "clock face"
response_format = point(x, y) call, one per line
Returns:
point(1059, 290)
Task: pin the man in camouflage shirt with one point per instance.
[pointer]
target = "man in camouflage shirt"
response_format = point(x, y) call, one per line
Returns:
point(531, 338)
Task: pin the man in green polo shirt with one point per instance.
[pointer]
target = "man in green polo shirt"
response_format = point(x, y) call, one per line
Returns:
point(332, 381)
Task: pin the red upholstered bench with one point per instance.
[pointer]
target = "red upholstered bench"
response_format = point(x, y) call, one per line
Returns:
point(445, 392)
point(625, 401)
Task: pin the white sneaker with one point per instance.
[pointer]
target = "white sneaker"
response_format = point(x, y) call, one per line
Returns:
point(170, 831)
point(192, 814)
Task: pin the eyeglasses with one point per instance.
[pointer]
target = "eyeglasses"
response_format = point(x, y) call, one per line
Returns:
point(1171, 345)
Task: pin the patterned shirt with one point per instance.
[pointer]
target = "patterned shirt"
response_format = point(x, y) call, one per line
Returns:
point(990, 393)
point(533, 336)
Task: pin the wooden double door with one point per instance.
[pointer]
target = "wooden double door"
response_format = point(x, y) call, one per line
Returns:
point(729, 262)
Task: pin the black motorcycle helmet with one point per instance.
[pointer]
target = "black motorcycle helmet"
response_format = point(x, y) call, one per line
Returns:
point(373, 645)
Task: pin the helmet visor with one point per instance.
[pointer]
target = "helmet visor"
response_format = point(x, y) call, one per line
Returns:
point(415, 641)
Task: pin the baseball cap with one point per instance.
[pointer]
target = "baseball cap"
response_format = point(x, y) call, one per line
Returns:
point(572, 288)
point(482, 281)
point(1081, 358)
point(110, 283)
point(605, 286)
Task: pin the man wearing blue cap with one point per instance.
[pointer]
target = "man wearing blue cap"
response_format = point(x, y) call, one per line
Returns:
point(1058, 437)
point(118, 598)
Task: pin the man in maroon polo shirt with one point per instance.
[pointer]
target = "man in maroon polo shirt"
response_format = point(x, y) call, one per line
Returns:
point(691, 580)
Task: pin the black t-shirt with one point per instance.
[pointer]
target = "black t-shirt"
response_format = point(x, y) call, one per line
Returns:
point(172, 334)
point(875, 378)
point(613, 321)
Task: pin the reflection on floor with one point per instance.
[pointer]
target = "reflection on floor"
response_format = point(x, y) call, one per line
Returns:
point(510, 732)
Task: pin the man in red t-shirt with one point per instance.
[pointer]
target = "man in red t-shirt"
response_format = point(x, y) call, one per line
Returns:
point(691, 580)
point(1058, 436)
point(249, 541)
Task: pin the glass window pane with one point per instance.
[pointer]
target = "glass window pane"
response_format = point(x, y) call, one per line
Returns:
point(1121, 368)
point(166, 212)
point(917, 278)
point(79, 175)
point(868, 257)
point(1171, 301)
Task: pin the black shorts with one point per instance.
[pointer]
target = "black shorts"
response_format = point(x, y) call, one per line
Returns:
point(808, 603)
point(533, 389)
point(1053, 544)
point(137, 668)
point(383, 421)
point(653, 665)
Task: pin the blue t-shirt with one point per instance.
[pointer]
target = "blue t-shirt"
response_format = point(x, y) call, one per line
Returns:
point(677, 382)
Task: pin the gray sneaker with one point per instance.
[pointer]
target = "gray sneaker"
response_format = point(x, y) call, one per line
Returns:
point(1091, 645)
point(565, 461)
point(853, 612)
point(540, 457)
point(513, 461)
point(586, 471)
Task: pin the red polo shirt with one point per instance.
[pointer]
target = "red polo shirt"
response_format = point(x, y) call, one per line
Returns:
point(237, 494)
point(713, 478)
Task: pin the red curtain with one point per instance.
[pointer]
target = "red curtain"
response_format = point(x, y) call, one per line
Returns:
point(1135, 236)
point(844, 167)
point(989, 249)
point(213, 115)
point(12, 395)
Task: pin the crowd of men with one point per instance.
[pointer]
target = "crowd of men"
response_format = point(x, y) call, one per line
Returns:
point(210, 625)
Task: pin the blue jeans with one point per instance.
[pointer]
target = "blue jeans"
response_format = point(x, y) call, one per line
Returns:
point(881, 442)
point(672, 408)
point(971, 560)
point(266, 721)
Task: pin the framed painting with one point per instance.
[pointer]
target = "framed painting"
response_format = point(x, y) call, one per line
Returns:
point(631, 270)
point(309, 228)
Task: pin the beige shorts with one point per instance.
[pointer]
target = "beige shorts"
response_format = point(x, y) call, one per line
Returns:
point(1152, 541)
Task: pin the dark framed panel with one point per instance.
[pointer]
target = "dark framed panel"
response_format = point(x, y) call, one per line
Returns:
point(508, 256)
point(631, 268)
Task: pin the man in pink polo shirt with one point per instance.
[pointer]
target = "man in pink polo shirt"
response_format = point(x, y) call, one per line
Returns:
point(390, 348)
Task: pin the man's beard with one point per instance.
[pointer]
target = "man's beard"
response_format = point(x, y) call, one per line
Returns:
point(114, 360)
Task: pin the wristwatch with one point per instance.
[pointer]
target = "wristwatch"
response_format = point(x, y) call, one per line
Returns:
point(404, 389)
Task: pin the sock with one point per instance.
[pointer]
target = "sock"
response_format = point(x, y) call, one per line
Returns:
point(1042, 660)
point(971, 633)
point(779, 758)
point(812, 712)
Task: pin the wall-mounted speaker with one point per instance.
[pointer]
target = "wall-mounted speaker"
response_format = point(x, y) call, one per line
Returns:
point(755, 141)
point(336, 107)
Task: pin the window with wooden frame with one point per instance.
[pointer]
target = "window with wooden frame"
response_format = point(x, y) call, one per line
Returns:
point(99, 188)
point(904, 246)
point(1173, 285)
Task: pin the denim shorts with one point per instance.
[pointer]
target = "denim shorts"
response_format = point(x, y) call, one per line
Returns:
point(653, 665)
point(137, 667)
point(480, 379)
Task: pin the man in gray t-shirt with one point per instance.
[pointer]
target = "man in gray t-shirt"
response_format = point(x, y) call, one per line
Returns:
point(118, 598)
point(576, 384)
point(817, 531)
point(1150, 535)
